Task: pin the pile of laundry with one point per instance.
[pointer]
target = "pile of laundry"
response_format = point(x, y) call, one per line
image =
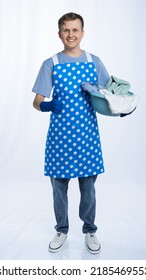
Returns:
point(114, 99)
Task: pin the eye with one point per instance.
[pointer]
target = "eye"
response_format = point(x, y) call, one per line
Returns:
point(65, 30)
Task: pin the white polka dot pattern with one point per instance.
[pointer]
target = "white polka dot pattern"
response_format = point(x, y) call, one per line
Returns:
point(73, 146)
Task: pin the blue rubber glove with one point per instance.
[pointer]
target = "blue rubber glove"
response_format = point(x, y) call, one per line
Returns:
point(54, 106)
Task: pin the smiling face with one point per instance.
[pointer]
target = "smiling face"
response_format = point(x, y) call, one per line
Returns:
point(71, 34)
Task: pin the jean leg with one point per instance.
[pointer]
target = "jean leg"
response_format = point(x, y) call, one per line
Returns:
point(87, 207)
point(60, 188)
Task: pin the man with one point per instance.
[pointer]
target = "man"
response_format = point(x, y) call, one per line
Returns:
point(73, 148)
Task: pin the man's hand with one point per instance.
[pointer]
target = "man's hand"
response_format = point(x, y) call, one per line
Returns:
point(54, 106)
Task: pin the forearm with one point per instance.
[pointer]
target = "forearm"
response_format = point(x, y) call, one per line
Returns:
point(38, 99)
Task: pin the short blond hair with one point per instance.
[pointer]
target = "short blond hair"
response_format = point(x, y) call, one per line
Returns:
point(68, 17)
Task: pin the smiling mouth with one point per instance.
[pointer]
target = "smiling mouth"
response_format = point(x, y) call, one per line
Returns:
point(70, 41)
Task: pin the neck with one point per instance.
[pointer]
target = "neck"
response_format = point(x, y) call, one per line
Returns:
point(73, 52)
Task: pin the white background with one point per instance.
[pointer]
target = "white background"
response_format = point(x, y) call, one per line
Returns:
point(114, 31)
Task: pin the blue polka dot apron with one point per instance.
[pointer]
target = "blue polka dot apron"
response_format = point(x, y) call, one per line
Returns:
point(73, 147)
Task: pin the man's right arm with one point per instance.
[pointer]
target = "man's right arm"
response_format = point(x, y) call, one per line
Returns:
point(37, 100)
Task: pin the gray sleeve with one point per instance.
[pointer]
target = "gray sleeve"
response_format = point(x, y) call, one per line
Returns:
point(43, 84)
point(102, 73)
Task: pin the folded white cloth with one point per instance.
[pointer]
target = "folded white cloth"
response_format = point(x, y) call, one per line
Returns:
point(120, 103)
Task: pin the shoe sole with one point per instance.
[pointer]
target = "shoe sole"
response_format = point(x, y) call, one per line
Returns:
point(94, 252)
point(57, 249)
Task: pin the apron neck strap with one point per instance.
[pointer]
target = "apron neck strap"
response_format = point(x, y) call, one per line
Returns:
point(89, 57)
point(55, 58)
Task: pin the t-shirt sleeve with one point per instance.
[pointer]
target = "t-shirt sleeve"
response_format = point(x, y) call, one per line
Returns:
point(43, 83)
point(102, 73)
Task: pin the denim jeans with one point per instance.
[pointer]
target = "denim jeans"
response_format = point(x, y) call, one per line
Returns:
point(87, 207)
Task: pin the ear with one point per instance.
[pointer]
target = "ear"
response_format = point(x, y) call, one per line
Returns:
point(83, 33)
point(59, 34)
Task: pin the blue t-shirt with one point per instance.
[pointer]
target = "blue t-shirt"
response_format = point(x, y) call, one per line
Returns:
point(43, 84)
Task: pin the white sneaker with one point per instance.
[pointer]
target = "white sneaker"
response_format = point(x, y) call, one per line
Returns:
point(57, 242)
point(92, 243)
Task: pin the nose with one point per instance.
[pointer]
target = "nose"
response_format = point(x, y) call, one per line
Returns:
point(70, 34)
